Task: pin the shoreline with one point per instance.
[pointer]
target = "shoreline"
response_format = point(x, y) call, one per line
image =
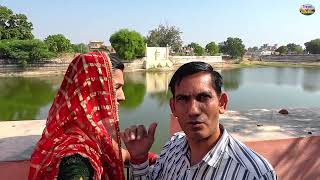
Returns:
point(60, 69)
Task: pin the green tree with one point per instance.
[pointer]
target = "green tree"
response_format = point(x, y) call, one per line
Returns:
point(294, 48)
point(58, 43)
point(14, 26)
point(313, 46)
point(197, 49)
point(80, 48)
point(128, 44)
point(165, 35)
point(233, 47)
point(282, 50)
point(212, 48)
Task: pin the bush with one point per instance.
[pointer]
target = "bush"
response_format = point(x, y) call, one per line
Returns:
point(25, 51)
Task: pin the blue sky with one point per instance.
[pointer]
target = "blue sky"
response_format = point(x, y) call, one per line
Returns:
point(202, 21)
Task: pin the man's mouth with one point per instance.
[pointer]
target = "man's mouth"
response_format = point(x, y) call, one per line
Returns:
point(195, 122)
point(195, 125)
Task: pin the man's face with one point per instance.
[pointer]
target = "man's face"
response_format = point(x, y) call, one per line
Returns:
point(118, 84)
point(197, 106)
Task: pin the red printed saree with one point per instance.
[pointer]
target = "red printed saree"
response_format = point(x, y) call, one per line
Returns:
point(83, 119)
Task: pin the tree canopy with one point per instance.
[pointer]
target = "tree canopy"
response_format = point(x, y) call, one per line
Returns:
point(197, 49)
point(212, 49)
point(165, 35)
point(294, 48)
point(80, 48)
point(313, 46)
point(14, 26)
point(57, 43)
point(233, 47)
point(282, 50)
point(128, 44)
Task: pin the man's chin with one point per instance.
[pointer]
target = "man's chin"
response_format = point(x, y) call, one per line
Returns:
point(197, 135)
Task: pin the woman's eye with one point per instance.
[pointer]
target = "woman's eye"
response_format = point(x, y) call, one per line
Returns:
point(116, 87)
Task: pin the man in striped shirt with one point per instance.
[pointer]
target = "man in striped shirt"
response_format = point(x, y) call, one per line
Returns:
point(205, 150)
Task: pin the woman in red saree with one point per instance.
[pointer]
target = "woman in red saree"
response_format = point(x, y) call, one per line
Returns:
point(82, 121)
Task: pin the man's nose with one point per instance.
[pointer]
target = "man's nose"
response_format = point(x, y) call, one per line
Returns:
point(193, 109)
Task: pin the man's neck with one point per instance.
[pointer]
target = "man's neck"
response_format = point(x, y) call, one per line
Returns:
point(199, 148)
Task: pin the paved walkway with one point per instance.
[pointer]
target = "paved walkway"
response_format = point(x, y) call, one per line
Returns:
point(18, 138)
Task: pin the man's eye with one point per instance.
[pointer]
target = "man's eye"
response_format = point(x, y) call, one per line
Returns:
point(204, 97)
point(181, 98)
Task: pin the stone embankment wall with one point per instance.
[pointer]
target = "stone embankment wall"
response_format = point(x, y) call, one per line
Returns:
point(134, 65)
point(57, 64)
point(292, 58)
point(184, 59)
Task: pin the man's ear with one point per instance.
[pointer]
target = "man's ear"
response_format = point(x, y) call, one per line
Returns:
point(171, 103)
point(223, 101)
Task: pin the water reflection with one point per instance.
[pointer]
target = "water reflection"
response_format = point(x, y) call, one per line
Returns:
point(22, 98)
point(287, 76)
point(134, 93)
point(311, 79)
point(147, 93)
point(231, 79)
point(158, 86)
point(158, 81)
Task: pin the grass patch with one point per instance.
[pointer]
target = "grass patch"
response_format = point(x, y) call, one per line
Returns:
point(284, 64)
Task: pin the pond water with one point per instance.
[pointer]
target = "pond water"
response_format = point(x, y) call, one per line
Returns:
point(147, 94)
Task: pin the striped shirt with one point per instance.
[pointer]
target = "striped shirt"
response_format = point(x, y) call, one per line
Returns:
point(229, 159)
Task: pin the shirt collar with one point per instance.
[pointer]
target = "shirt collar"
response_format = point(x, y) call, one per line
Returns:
point(214, 155)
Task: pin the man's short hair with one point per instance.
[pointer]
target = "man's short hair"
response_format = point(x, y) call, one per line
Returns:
point(116, 62)
point(193, 68)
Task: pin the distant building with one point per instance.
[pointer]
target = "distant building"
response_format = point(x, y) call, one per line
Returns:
point(266, 47)
point(186, 51)
point(96, 46)
point(157, 57)
point(264, 50)
point(99, 46)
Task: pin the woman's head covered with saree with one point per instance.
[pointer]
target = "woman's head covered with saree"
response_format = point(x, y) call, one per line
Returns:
point(83, 119)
